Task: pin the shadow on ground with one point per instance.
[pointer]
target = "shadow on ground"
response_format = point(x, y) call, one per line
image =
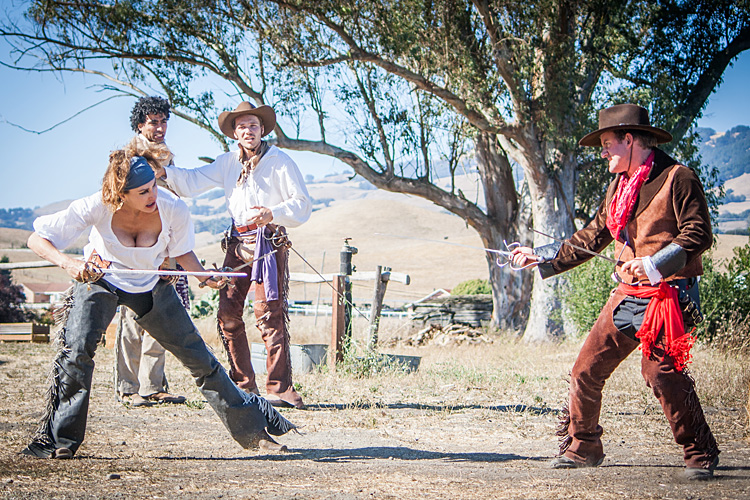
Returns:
point(372, 453)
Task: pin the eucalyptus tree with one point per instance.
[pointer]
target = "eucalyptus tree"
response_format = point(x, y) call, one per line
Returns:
point(402, 89)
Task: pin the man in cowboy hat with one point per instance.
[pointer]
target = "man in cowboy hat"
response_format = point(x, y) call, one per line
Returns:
point(656, 213)
point(264, 192)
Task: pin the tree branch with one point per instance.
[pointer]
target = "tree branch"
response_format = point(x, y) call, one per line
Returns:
point(707, 83)
point(357, 53)
point(418, 187)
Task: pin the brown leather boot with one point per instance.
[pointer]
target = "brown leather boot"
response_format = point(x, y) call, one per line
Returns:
point(675, 390)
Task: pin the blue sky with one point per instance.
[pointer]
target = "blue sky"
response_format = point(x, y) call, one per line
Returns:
point(69, 161)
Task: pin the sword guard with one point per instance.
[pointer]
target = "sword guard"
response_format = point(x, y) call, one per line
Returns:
point(91, 273)
point(504, 258)
point(223, 282)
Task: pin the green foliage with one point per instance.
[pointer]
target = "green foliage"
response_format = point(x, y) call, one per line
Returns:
point(196, 404)
point(11, 298)
point(366, 363)
point(42, 317)
point(586, 290)
point(206, 306)
point(472, 287)
point(725, 296)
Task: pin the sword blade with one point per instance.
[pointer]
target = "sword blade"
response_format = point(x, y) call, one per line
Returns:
point(169, 272)
point(504, 253)
point(26, 265)
point(590, 252)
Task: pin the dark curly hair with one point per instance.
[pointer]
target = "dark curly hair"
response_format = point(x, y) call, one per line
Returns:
point(151, 105)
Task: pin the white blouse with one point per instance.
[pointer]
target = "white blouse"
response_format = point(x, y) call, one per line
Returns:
point(177, 237)
point(275, 183)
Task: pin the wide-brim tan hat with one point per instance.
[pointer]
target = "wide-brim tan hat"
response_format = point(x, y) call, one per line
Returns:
point(624, 116)
point(265, 113)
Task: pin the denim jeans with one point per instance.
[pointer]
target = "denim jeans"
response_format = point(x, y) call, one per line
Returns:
point(90, 309)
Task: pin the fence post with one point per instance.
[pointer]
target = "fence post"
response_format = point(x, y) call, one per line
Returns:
point(382, 275)
point(338, 324)
point(346, 269)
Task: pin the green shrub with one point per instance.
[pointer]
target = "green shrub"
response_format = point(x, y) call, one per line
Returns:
point(725, 298)
point(365, 363)
point(206, 306)
point(42, 317)
point(472, 287)
point(586, 290)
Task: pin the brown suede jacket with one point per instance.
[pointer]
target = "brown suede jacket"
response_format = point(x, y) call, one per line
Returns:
point(671, 208)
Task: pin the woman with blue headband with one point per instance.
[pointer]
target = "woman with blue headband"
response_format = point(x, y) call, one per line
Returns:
point(133, 226)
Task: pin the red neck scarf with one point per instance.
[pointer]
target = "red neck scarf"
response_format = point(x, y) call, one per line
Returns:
point(662, 311)
point(624, 199)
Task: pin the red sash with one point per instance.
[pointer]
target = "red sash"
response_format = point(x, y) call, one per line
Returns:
point(662, 311)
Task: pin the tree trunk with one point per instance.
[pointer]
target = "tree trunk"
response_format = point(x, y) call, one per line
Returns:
point(553, 215)
point(510, 289)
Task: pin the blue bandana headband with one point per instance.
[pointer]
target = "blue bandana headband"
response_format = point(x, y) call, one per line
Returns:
point(140, 173)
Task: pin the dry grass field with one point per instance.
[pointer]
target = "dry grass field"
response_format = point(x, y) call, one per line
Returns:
point(474, 422)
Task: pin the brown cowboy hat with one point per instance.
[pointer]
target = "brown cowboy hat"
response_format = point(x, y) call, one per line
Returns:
point(265, 113)
point(624, 116)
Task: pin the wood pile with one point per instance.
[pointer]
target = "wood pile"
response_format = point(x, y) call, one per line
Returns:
point(472, 310)
point(24, 332)
point(449, 336)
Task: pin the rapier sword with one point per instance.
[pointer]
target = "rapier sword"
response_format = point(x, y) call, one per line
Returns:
point(169, 272)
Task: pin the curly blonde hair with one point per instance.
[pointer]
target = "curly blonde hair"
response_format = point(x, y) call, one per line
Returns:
point(113, 183)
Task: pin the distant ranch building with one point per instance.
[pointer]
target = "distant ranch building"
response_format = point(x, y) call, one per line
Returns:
point(44, 293)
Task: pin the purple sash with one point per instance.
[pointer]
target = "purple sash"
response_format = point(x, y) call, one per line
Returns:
point(264, 268)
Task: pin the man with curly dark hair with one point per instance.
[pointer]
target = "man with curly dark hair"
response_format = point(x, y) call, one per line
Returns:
point(149, 118)
point(140, 379)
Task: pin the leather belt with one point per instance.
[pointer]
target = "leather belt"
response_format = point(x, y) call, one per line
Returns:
point(245, 229)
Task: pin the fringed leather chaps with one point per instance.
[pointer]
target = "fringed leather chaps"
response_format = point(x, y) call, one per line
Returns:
point(602, 352)
point(675, 390)
point(86, 312)
point(89, 310)
point(245, 416)
point(272, 320)
point(604, 349)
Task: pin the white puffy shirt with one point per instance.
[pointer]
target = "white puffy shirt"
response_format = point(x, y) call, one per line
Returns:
point(177, 237)
point(275, 183)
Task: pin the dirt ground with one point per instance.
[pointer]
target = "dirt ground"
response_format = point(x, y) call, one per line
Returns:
point(475, 421)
